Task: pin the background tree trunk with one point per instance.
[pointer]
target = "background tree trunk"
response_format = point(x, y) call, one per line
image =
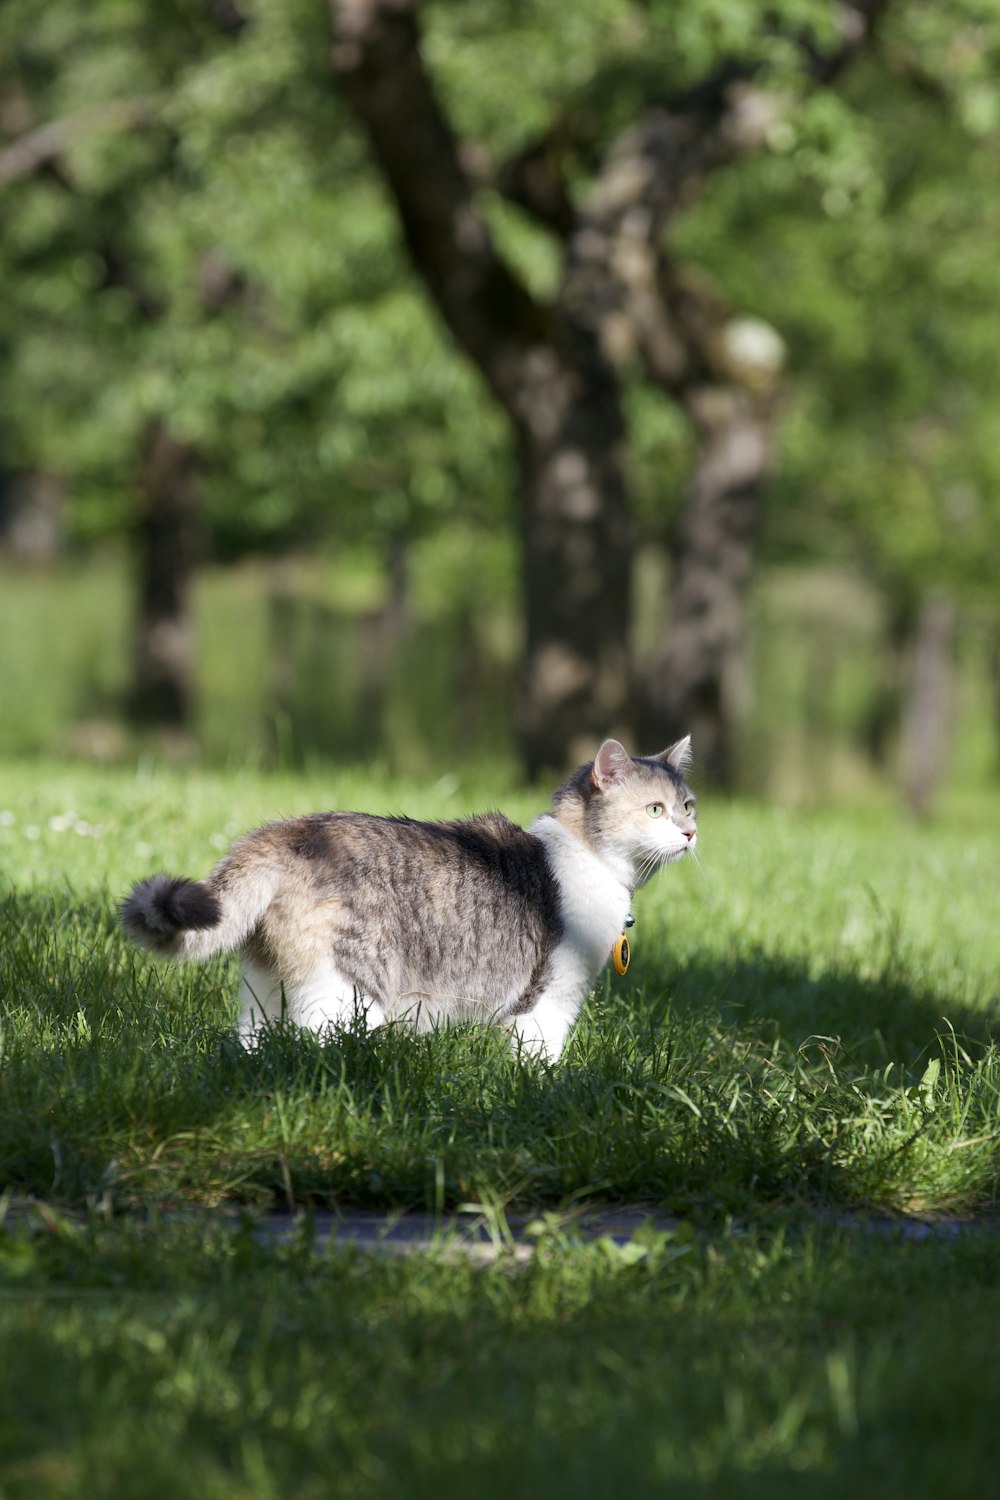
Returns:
point(547, 371)
point(161, 691)
point(576, 564)
point(553, 368)
point(621, 287)
point(885, 716)
point(32, 503)
point(698, 684)
point(724, 371)
point(929, 702)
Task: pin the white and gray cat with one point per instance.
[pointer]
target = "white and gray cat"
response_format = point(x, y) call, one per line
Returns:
point(472, 920)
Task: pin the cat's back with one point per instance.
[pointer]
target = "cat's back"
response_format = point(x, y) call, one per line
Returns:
point(334, 848)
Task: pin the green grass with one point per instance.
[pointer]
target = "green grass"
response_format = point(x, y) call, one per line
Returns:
point(805, 1037)
point(807, 1019)
point(199, 1362)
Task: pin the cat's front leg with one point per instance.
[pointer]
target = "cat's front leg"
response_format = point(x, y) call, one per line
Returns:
point(542, 1032)
point(543, 1029)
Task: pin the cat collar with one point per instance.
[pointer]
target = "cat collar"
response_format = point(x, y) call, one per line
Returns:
point(621, 951)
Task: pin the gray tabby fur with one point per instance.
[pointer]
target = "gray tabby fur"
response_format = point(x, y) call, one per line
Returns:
point(472, 920)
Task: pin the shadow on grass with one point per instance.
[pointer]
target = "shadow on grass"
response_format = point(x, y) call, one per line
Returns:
point(888, 1017)
point(749, 1367)
point(124, 1084)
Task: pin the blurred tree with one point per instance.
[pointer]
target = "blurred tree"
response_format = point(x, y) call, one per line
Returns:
point(669, 102)
point(873, 248)
point(167, 533)
point(197, 241)
point(90, 247)
point(184, 282)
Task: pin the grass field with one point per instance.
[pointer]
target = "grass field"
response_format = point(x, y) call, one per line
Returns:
point(804, 1041)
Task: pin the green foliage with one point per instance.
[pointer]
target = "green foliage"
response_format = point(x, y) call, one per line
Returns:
point(231, 265)
point(869, 234)
point(213, 247)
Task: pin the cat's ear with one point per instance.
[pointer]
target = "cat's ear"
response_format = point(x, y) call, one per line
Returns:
point(678, 756)
point(612, 764)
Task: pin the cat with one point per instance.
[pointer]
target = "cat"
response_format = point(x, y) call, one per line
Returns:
point(473, 920)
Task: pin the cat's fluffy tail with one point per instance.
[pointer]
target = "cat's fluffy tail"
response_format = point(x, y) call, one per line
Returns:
point(182, 918)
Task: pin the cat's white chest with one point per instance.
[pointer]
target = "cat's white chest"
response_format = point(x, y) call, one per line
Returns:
point(594, 902)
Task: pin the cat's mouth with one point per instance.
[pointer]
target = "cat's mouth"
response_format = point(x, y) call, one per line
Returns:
point(671, 856)
point(652, 860)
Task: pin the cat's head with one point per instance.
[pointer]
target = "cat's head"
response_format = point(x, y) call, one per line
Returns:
point(637, 812)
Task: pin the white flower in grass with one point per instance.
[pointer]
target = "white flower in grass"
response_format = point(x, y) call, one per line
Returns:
point(88, 830)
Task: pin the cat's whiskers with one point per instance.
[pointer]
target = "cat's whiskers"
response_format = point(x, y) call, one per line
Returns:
point(651, 860)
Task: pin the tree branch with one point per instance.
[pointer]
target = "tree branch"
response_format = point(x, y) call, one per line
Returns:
point(535, 178)
point(37, 147)
point(42, 145)
point(613, 282)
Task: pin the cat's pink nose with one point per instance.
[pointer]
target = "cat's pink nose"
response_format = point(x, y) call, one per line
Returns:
point(688, 833)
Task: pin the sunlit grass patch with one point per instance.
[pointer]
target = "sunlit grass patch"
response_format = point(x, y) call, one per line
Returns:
point(796, 1032)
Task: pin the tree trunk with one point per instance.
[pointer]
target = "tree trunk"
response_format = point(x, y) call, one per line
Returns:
point(544, 367)
point(930, 695)
point(698, 684)
point(32, 502)
point(160, 696)
point(576, 566)
point(553, 367)
point(881, 728)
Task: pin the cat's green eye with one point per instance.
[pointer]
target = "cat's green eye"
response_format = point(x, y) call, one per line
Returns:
point(655, 809)
point(689, 805)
